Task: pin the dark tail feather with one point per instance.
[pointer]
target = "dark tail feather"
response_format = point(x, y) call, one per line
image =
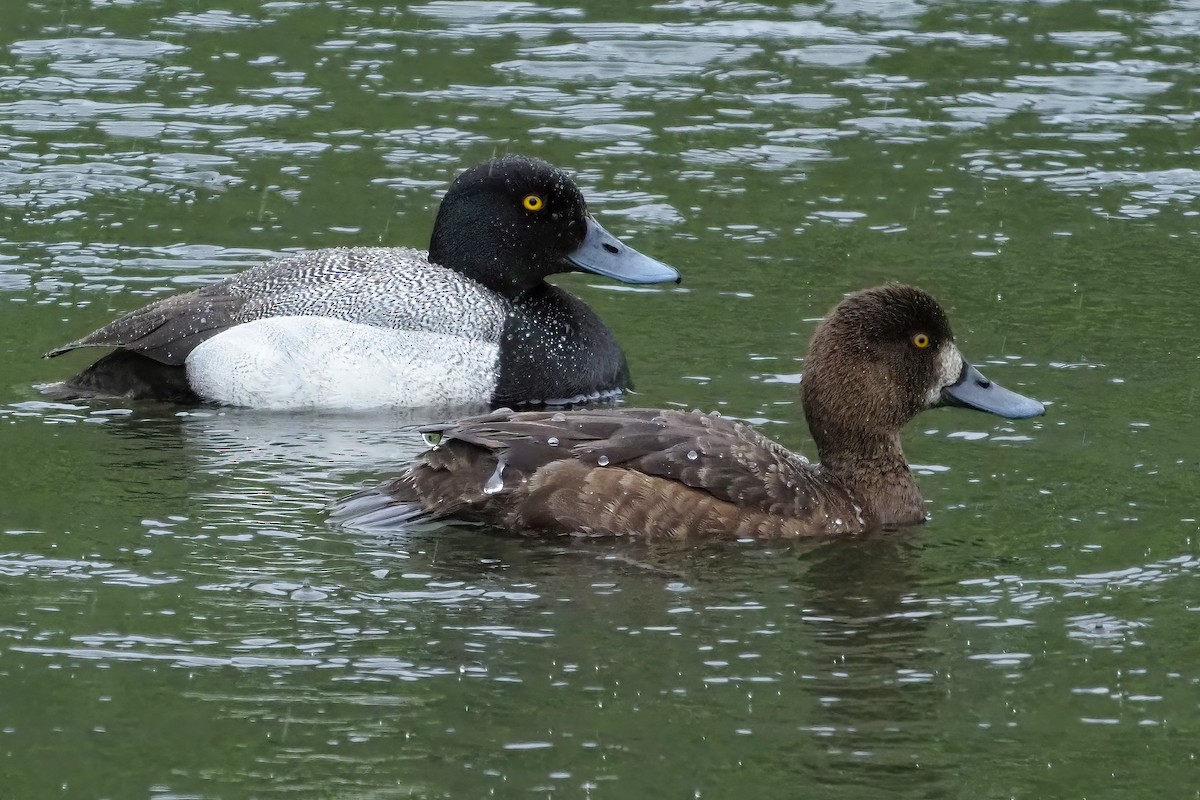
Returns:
point(125, 374)
point(376, 509)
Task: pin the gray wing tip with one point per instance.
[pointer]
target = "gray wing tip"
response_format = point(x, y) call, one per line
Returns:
point(58, 351)
point(86, 341)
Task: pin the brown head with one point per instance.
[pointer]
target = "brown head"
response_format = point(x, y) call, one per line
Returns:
point(878, 359)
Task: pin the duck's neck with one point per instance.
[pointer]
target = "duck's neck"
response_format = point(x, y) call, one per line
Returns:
point(566, 350)
point(875, 472)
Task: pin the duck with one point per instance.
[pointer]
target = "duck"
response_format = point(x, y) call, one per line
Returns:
point(470, 323)
point(878, 359)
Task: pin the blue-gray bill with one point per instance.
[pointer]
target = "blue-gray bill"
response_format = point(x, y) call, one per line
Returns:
point(975, 391)
point(604, 254)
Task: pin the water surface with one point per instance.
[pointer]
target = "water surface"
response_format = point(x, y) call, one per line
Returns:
point(177, 618)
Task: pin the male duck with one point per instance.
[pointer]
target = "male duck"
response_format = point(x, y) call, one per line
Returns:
point(471, 322)
point(879, 358)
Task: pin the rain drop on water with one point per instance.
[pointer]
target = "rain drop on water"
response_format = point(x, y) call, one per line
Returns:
point(552, 441)
point(559, 417)
point(692, 455)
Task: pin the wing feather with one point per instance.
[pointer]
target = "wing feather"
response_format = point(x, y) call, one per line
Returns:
point(727, 459)
point(167, 330)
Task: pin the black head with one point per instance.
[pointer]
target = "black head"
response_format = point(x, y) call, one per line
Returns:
point(511, 221)
point(884, 355)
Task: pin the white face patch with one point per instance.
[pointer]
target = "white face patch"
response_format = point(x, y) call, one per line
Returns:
point(949, 370)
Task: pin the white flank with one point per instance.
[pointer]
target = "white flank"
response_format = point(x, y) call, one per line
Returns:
point(319, 362)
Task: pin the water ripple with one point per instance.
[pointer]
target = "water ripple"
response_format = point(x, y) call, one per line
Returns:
point(69, 48)
point(212, 20)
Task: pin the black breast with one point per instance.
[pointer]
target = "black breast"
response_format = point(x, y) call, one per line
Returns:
point(553, 347)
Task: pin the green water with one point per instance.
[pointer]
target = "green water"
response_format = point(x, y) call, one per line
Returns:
point(177, 619)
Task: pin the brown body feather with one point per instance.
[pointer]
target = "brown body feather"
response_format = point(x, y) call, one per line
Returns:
point(881, 357)
point(626, 472)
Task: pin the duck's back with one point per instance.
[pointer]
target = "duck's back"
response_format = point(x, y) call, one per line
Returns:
point(387, 287)
point(627, 472)
point(394, 288)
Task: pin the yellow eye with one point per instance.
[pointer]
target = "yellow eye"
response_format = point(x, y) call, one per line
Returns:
point(921, 340)
point(533, 202)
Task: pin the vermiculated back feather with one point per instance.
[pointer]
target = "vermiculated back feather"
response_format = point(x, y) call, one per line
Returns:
point(386, 287)
point(302, 330)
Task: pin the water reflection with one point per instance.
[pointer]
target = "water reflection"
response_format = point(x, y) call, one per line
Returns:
point(225, 439)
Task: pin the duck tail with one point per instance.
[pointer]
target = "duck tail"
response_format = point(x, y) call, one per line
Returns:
point(378, 508)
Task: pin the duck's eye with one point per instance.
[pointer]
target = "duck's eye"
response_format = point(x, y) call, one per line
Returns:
point(921, 341)
point(533, 202)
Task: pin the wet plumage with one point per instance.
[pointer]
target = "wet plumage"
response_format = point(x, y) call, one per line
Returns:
point(881, 357)
point(243, 340)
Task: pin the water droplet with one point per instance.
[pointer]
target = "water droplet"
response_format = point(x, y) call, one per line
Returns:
point(552, 441)
point(602, 461)
point(496, 482)
point(559, 417)
point(693, 455)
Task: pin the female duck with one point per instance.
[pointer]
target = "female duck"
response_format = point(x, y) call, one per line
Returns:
point(470, 322)
point(880, 357)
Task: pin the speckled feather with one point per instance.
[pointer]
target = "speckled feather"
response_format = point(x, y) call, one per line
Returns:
point(619, 472)
point(502, 228)
point(388, 287)
point(881, 357)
